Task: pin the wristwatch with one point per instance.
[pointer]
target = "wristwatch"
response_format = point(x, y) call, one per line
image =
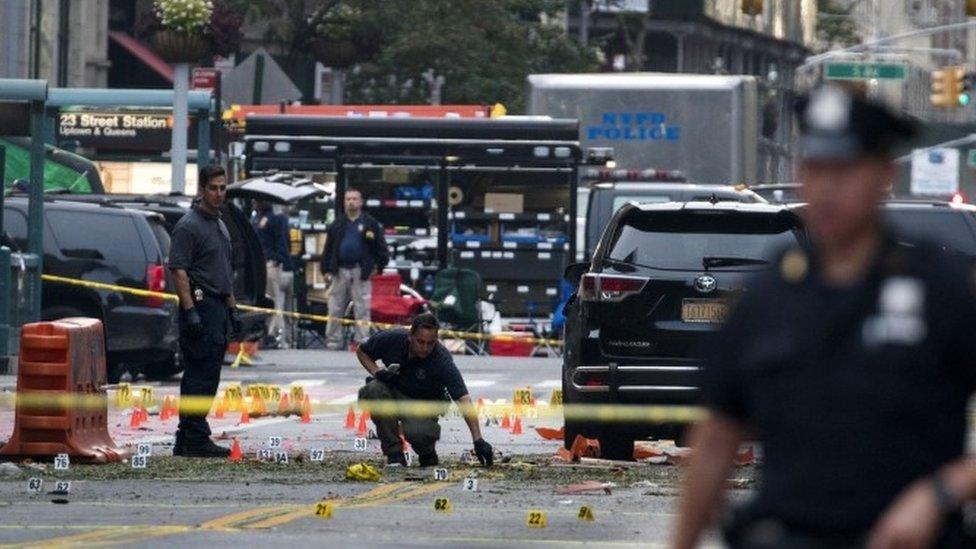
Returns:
point(948, 503)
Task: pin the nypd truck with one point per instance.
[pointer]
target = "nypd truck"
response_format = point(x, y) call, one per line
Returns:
point(704, 126)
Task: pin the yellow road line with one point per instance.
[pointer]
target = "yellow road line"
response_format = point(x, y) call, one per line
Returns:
point(230, 521)
point(369, 499)
point(107, 534)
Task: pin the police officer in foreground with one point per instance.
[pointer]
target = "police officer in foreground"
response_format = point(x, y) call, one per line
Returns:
point(416, 369)
point(851, 361)
point(200, 259)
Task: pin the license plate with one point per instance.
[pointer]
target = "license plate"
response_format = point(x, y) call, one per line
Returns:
point(704, 310)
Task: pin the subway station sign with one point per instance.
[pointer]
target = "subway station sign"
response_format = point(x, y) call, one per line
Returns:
point(120, 130)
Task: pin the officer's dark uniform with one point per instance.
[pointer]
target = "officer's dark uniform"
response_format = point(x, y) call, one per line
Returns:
point(854, 392)
point(201, 246)
point(427, 379)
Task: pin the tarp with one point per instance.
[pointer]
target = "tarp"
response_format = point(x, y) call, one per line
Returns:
point(76, 177)
point(238, 85)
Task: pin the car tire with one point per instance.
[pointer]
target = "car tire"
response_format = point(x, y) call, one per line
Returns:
point(616, 445)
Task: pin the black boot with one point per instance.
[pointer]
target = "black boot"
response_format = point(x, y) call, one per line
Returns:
point(429, 460)
point(205, 450)
point(396, 459)
point(178, 445)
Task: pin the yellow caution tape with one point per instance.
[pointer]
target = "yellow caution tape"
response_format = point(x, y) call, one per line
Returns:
point(201, 405)
point(323, 319)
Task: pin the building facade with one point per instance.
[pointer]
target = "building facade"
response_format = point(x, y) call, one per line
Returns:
point(62, 41)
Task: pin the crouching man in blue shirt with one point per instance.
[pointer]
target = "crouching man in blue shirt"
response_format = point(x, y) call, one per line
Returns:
point(416, 367)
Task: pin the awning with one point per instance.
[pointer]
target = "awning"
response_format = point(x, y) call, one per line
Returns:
point(278, 189)
point(142, 53)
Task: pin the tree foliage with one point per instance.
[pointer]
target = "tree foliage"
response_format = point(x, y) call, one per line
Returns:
point(483, 50)
point(836, 27)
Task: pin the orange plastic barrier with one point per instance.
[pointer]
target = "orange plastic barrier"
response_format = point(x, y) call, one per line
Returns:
point(63, 358)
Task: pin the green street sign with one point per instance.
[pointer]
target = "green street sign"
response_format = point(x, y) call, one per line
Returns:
point(865, 71)
point(971, 158)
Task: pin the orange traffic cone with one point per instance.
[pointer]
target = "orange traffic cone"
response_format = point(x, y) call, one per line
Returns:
point(406, 445)
point(245, 417)
point(350, 419)
point(135, 419)
point(144, 417)
point(306, 410)
point(221, 408)
point(517, 426)
point(235, 451)
point(284, 406)
point(361, 429)
point(506, 424)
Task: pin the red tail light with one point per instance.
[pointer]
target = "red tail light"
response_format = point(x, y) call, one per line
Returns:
point(155, 282)
point(597, 287)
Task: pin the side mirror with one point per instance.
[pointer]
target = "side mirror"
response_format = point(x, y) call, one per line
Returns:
point(574, 271)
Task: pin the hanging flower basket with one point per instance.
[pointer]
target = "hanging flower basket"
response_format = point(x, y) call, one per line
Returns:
point(338, 54)
point(178, 47)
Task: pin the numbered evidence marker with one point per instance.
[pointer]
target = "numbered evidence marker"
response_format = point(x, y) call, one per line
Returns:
point(62, 487)
point(470, 484)
point(140, 462)
point(274, 442)
point(585, 514)
point(535, 519)
point(440, 474)
point(281, 458)
point(34, 485)
point(144, 449)
point(264, 454)
point(360, 444)
point(323, 509)
point(317, 454)
point(442, 505)
point(62, 462)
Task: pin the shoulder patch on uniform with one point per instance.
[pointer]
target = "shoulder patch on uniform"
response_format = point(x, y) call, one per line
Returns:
point(793, 266)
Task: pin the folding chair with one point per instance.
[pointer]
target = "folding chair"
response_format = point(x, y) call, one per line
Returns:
point(388, 304)
point(456, 303)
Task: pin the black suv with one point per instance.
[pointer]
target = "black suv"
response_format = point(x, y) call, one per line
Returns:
point(112, 245)
point(952, 227)
point(660, 280)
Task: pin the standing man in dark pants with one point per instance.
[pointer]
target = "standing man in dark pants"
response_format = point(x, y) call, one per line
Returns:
point(852, 362)
point(200, 259)
point(416, 368)
point(355, 249)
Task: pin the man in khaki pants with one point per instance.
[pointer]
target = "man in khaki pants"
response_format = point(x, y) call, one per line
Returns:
point(355, 249)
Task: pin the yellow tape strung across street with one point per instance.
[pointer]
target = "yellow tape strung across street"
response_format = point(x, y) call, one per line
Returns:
point(600, 413)
point(451, 334)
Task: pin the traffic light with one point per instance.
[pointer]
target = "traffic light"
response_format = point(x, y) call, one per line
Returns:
point(948, 87)
point(755, 7)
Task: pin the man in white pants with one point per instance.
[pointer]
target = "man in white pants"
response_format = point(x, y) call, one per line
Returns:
point(355, 249)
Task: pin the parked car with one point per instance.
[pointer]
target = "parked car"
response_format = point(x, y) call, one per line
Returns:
point(778, 193)
point(605, 198)
point(949, 226)
point(660, 280)
point(114, 245)
point(247, 256)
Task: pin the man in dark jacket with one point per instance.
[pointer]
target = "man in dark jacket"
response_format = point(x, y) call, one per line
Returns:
point(355, 249)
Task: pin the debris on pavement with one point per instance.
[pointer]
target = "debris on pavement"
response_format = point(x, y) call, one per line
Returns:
point(362, 472)
point(549, 433)
point(9, 470)
point(589, 486)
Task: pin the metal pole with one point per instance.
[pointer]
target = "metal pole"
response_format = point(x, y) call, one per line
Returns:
point(442, 206)
point(181, 83)
point(203, 137)
point(584, 22)
point(35, 206)
point(5, 291)
point(258, 79)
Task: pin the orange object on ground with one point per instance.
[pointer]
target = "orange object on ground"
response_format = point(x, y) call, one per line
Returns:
point(506, 424)
point(62, 358)
point(306, 410)
point(135, 419)
point(549, 433)
point(235, 451)
point(245, 416)
point(585, 447)
point(361, 429)
point(221, 408)
point(350, 419)
point(284, 406)
point(406, 445)
point(517, 426)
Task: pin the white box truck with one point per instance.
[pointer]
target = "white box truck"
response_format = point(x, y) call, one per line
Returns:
point(703, 125)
